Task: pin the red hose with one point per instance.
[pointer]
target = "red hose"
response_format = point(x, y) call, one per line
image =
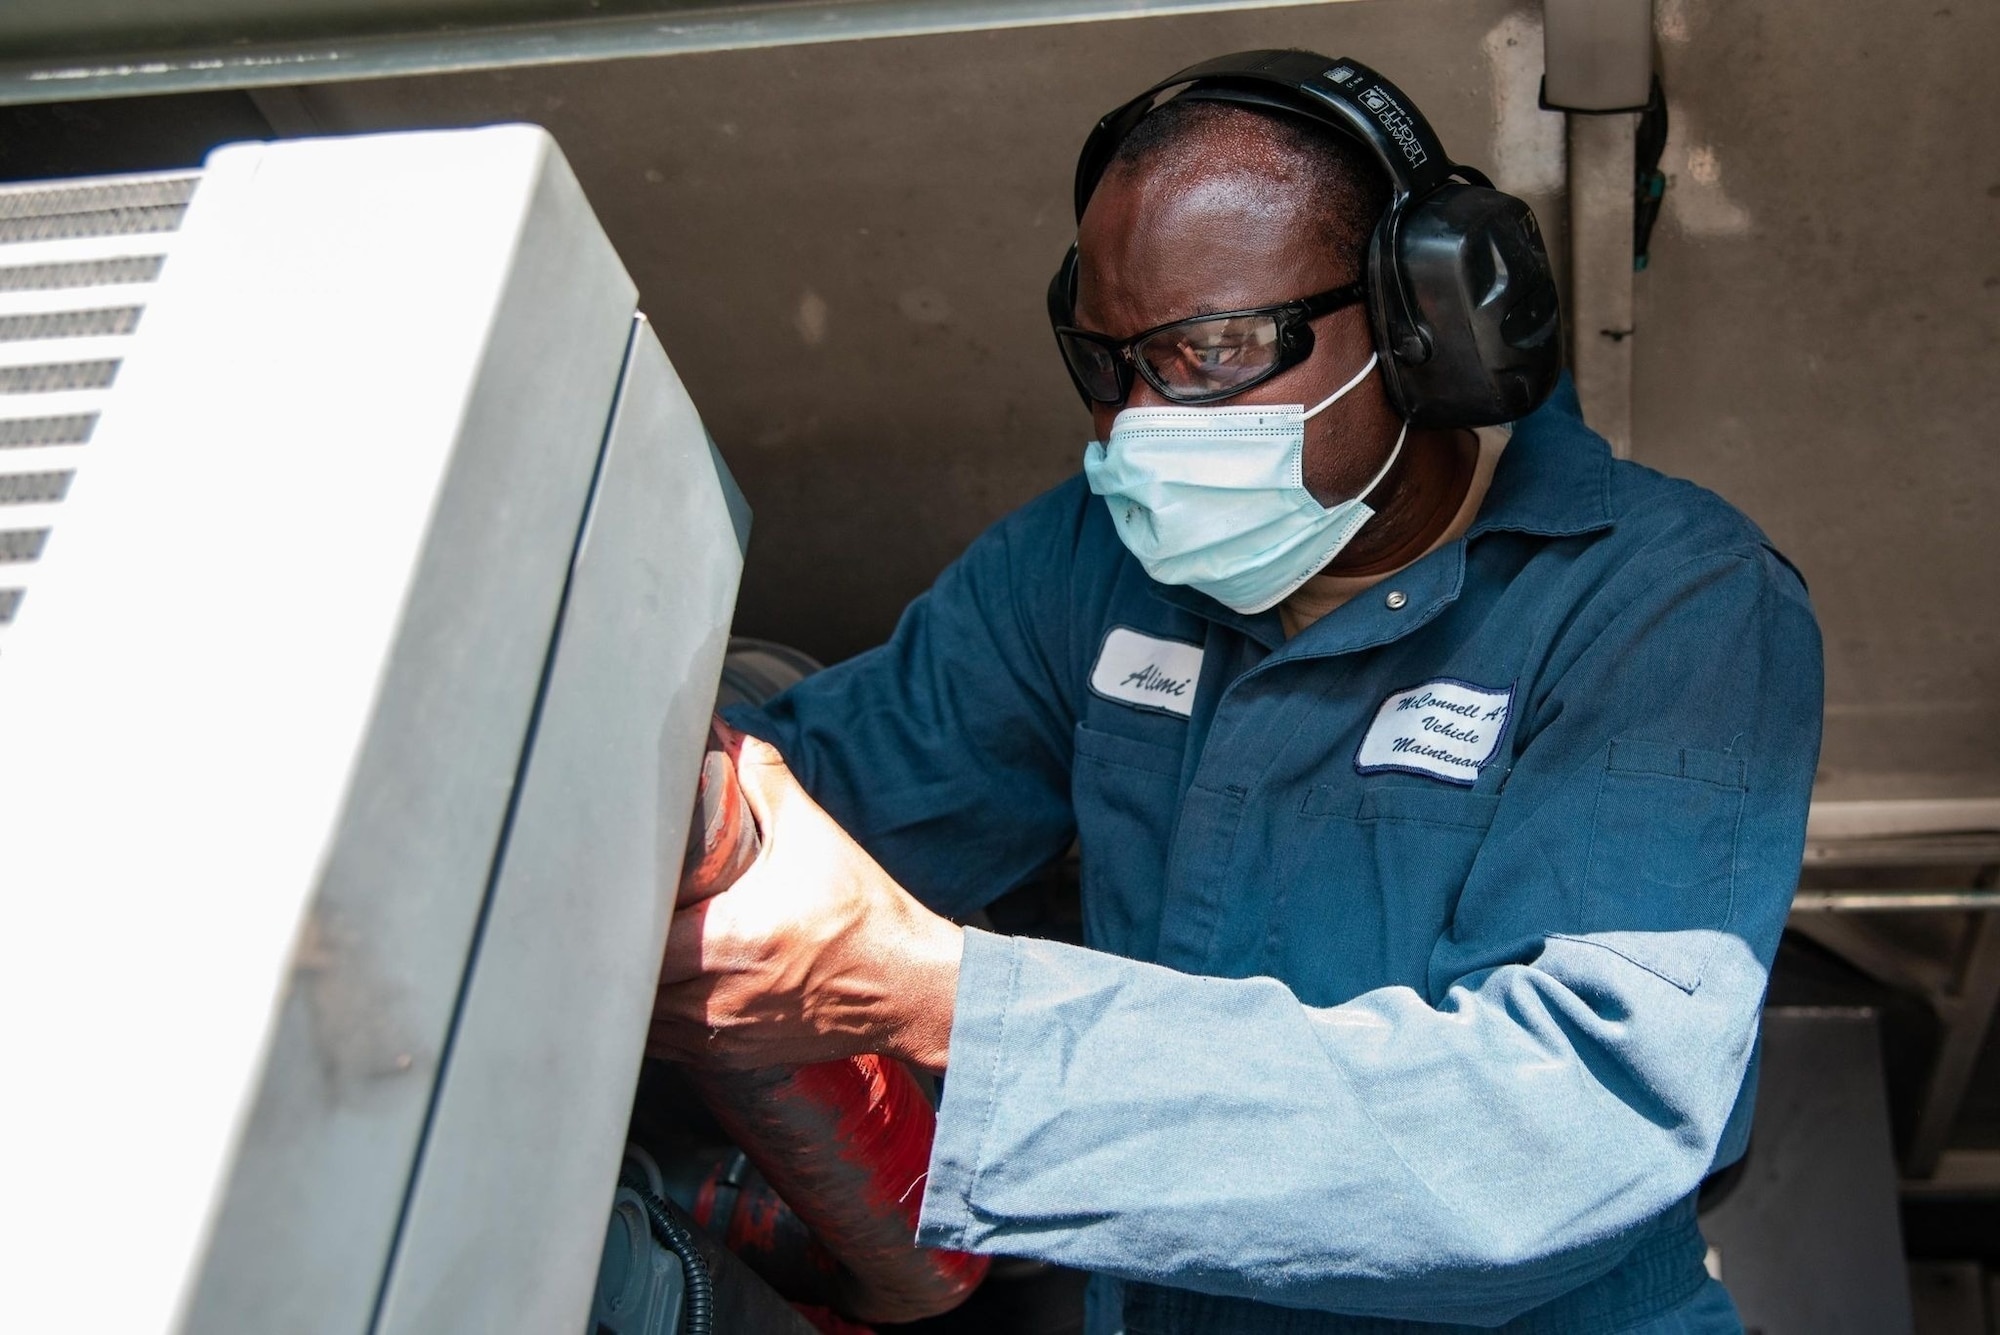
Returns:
point(845, 1143)
point(753, 1221)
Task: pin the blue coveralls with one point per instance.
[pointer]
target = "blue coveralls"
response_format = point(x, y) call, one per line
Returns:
point(1353, 1047)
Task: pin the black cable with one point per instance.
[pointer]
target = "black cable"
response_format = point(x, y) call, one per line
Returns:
point(1649, 184)
point(676, 1239)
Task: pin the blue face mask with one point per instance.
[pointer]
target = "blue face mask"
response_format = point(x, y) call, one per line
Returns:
point(1215, 498)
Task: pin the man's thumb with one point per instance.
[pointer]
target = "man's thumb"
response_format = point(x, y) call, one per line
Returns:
point(764, 778)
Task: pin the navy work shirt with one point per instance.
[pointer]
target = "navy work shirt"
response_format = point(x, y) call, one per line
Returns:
point(1425, 949)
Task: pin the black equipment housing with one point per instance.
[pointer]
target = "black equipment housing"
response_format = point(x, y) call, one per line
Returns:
point(1460, 292)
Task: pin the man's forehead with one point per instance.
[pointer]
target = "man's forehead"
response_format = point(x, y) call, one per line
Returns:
point(1219, 186)
point(1160, 245)
point(1189, 132)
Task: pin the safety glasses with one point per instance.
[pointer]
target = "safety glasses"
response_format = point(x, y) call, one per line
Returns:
point(1205, 357)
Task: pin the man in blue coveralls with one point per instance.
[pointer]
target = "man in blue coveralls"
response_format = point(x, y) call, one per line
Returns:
point(1440, 794)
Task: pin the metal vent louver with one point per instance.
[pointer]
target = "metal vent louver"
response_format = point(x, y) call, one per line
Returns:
point(76, 263)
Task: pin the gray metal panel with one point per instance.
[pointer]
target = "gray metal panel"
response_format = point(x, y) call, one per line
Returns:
point(845, 248)
point(308, 1221)
point(1599, 54)
point(116, 48)
point(506, 1221)
point(1598, 314)
point(1819, 333)
point(1809, 1242)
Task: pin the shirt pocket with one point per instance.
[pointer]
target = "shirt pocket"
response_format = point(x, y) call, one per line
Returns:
point(1124, 791)
point(1371, 878)
point(1660, 877)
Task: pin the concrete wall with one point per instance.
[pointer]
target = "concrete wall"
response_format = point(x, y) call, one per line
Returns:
point(845, 248)
point(1819, 340)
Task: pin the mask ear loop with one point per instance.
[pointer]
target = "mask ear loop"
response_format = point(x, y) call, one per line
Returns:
point(1340, 393)
point(1401, 436)
point(1333, 398)
point(1387, 464)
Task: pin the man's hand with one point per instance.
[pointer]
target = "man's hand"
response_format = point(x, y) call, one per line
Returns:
point(814, 954)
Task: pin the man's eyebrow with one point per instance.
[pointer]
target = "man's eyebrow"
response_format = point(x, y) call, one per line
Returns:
point(1200, 310)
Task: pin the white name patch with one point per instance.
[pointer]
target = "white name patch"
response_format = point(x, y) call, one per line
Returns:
point(1149, 673)
point(1445, 729)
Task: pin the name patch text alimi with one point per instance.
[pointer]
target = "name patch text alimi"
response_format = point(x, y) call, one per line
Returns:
point(1147, 672)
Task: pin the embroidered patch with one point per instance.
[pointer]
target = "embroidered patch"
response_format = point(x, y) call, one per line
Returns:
point(1156, 674)
point(1444, 729)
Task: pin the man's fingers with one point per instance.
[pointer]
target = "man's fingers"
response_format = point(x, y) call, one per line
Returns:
point(685, 1004)
point(682, 959)
point(690, 1044)
point(685, 1025)
point(703, 941)
point(681, 1018)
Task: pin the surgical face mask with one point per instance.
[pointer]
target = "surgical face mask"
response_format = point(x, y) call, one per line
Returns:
point(1215, 498)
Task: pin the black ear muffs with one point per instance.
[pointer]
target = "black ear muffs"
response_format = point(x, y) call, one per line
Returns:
point(1461, 294)
point(1485, 311)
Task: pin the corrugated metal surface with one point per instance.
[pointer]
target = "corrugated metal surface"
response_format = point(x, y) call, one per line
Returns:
point(77, 262)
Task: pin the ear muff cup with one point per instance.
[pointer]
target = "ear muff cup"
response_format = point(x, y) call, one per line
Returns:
point(1482, 340)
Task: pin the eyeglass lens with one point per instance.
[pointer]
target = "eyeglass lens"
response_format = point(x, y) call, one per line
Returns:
point(1096, 366)
point(1195, 359)
point(1198, 358)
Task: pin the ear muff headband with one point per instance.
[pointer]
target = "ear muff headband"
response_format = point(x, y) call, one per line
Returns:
point(1402, 141)
point(1483, 376)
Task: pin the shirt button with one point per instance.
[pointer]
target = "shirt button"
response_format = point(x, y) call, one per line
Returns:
point(1395, 600)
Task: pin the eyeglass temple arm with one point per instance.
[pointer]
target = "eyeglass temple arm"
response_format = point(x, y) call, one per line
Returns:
point(1333, 298)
